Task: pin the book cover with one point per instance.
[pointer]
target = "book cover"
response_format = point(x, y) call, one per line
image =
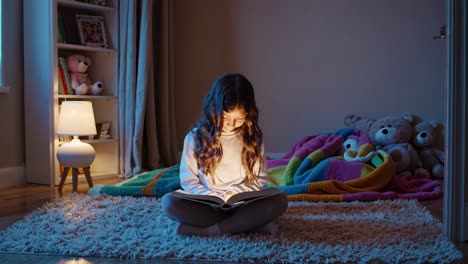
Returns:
point(64, 82)
point(59, 81)
point(66, 73)
point(60, 36)
point(233, 202)
point(70, 29)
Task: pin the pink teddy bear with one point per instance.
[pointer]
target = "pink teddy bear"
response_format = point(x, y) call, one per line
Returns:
point(77, 66)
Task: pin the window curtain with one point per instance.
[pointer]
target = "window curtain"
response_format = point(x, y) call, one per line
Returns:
point(146, 96)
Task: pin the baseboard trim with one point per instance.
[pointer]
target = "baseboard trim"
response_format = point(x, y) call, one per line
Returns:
point(12, 176)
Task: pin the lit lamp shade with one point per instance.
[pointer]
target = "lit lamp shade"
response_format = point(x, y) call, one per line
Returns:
point(76, 119)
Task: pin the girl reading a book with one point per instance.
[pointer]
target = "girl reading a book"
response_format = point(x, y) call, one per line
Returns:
point(223, 156)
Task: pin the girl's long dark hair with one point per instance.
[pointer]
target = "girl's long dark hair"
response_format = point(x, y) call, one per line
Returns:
point(229, 92)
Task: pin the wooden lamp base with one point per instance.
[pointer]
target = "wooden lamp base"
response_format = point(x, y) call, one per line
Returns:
point(75, 173)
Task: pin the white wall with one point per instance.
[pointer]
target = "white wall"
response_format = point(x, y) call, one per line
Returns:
point(11, 104)
point(312, 62)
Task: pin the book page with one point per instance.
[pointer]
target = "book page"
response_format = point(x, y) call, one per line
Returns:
point(199, 197)
point(247, 196)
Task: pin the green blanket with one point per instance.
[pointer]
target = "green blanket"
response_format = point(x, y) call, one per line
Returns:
point(152, 183)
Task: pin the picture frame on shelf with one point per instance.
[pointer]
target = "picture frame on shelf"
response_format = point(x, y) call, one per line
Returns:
point(103, 130)
point(92, 31)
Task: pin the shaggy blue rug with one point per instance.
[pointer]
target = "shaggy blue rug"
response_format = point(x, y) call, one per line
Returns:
point(392, 231)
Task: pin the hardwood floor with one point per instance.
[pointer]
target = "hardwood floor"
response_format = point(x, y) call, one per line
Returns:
point(16, 202)
point(19, 201)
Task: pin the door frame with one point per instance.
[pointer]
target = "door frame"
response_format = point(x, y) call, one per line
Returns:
point(455, 215)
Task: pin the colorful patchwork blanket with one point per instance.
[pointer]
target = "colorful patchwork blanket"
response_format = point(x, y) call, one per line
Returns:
point(343, 166)
point(340, 166)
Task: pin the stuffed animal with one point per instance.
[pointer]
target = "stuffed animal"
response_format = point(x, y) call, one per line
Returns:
point(391, 134)
point(77, 66)
point(357, 147)
point(425, 135)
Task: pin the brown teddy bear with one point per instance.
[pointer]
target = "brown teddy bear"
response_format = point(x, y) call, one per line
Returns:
point(391, 134)
point(425, 135)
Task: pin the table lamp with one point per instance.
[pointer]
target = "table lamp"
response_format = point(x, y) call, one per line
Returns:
point(76, 118)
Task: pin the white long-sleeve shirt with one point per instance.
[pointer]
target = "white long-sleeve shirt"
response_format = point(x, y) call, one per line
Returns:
point(229, 174)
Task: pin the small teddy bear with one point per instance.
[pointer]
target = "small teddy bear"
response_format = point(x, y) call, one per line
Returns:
point(391, 134)
point(424, 139)
point(77, 66)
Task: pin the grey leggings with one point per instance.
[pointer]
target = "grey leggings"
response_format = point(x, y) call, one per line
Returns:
point(243, 218)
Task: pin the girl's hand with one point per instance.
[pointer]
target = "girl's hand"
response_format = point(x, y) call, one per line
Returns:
point(228, 195)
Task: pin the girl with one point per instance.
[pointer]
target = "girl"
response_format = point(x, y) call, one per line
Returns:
point(223, 155)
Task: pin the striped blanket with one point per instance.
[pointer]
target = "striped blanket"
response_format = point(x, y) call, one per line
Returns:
point(343, 166)
point(340, 166)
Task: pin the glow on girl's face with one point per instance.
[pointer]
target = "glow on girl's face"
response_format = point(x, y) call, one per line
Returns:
point(233, 119)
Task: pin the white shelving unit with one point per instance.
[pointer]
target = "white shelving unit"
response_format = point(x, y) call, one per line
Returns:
point(42, 99)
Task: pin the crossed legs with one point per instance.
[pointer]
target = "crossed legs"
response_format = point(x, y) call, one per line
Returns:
point(203, 219)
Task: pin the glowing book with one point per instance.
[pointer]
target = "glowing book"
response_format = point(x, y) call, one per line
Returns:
point(233, 202)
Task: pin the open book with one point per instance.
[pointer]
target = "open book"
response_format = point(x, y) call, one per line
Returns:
point(233, 202)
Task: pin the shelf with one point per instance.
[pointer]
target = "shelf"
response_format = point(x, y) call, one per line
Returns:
point(65, 46)
point(93, 141)
point(98, 97)
point(41, 87)
point(85, 6)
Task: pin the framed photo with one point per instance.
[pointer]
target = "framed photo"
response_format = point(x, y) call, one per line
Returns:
point(92, 31)
point(103, 130)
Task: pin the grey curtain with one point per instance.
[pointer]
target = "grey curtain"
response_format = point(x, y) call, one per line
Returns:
point(146, 98)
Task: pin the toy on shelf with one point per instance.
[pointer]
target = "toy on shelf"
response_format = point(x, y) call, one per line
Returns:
point(78, 65)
